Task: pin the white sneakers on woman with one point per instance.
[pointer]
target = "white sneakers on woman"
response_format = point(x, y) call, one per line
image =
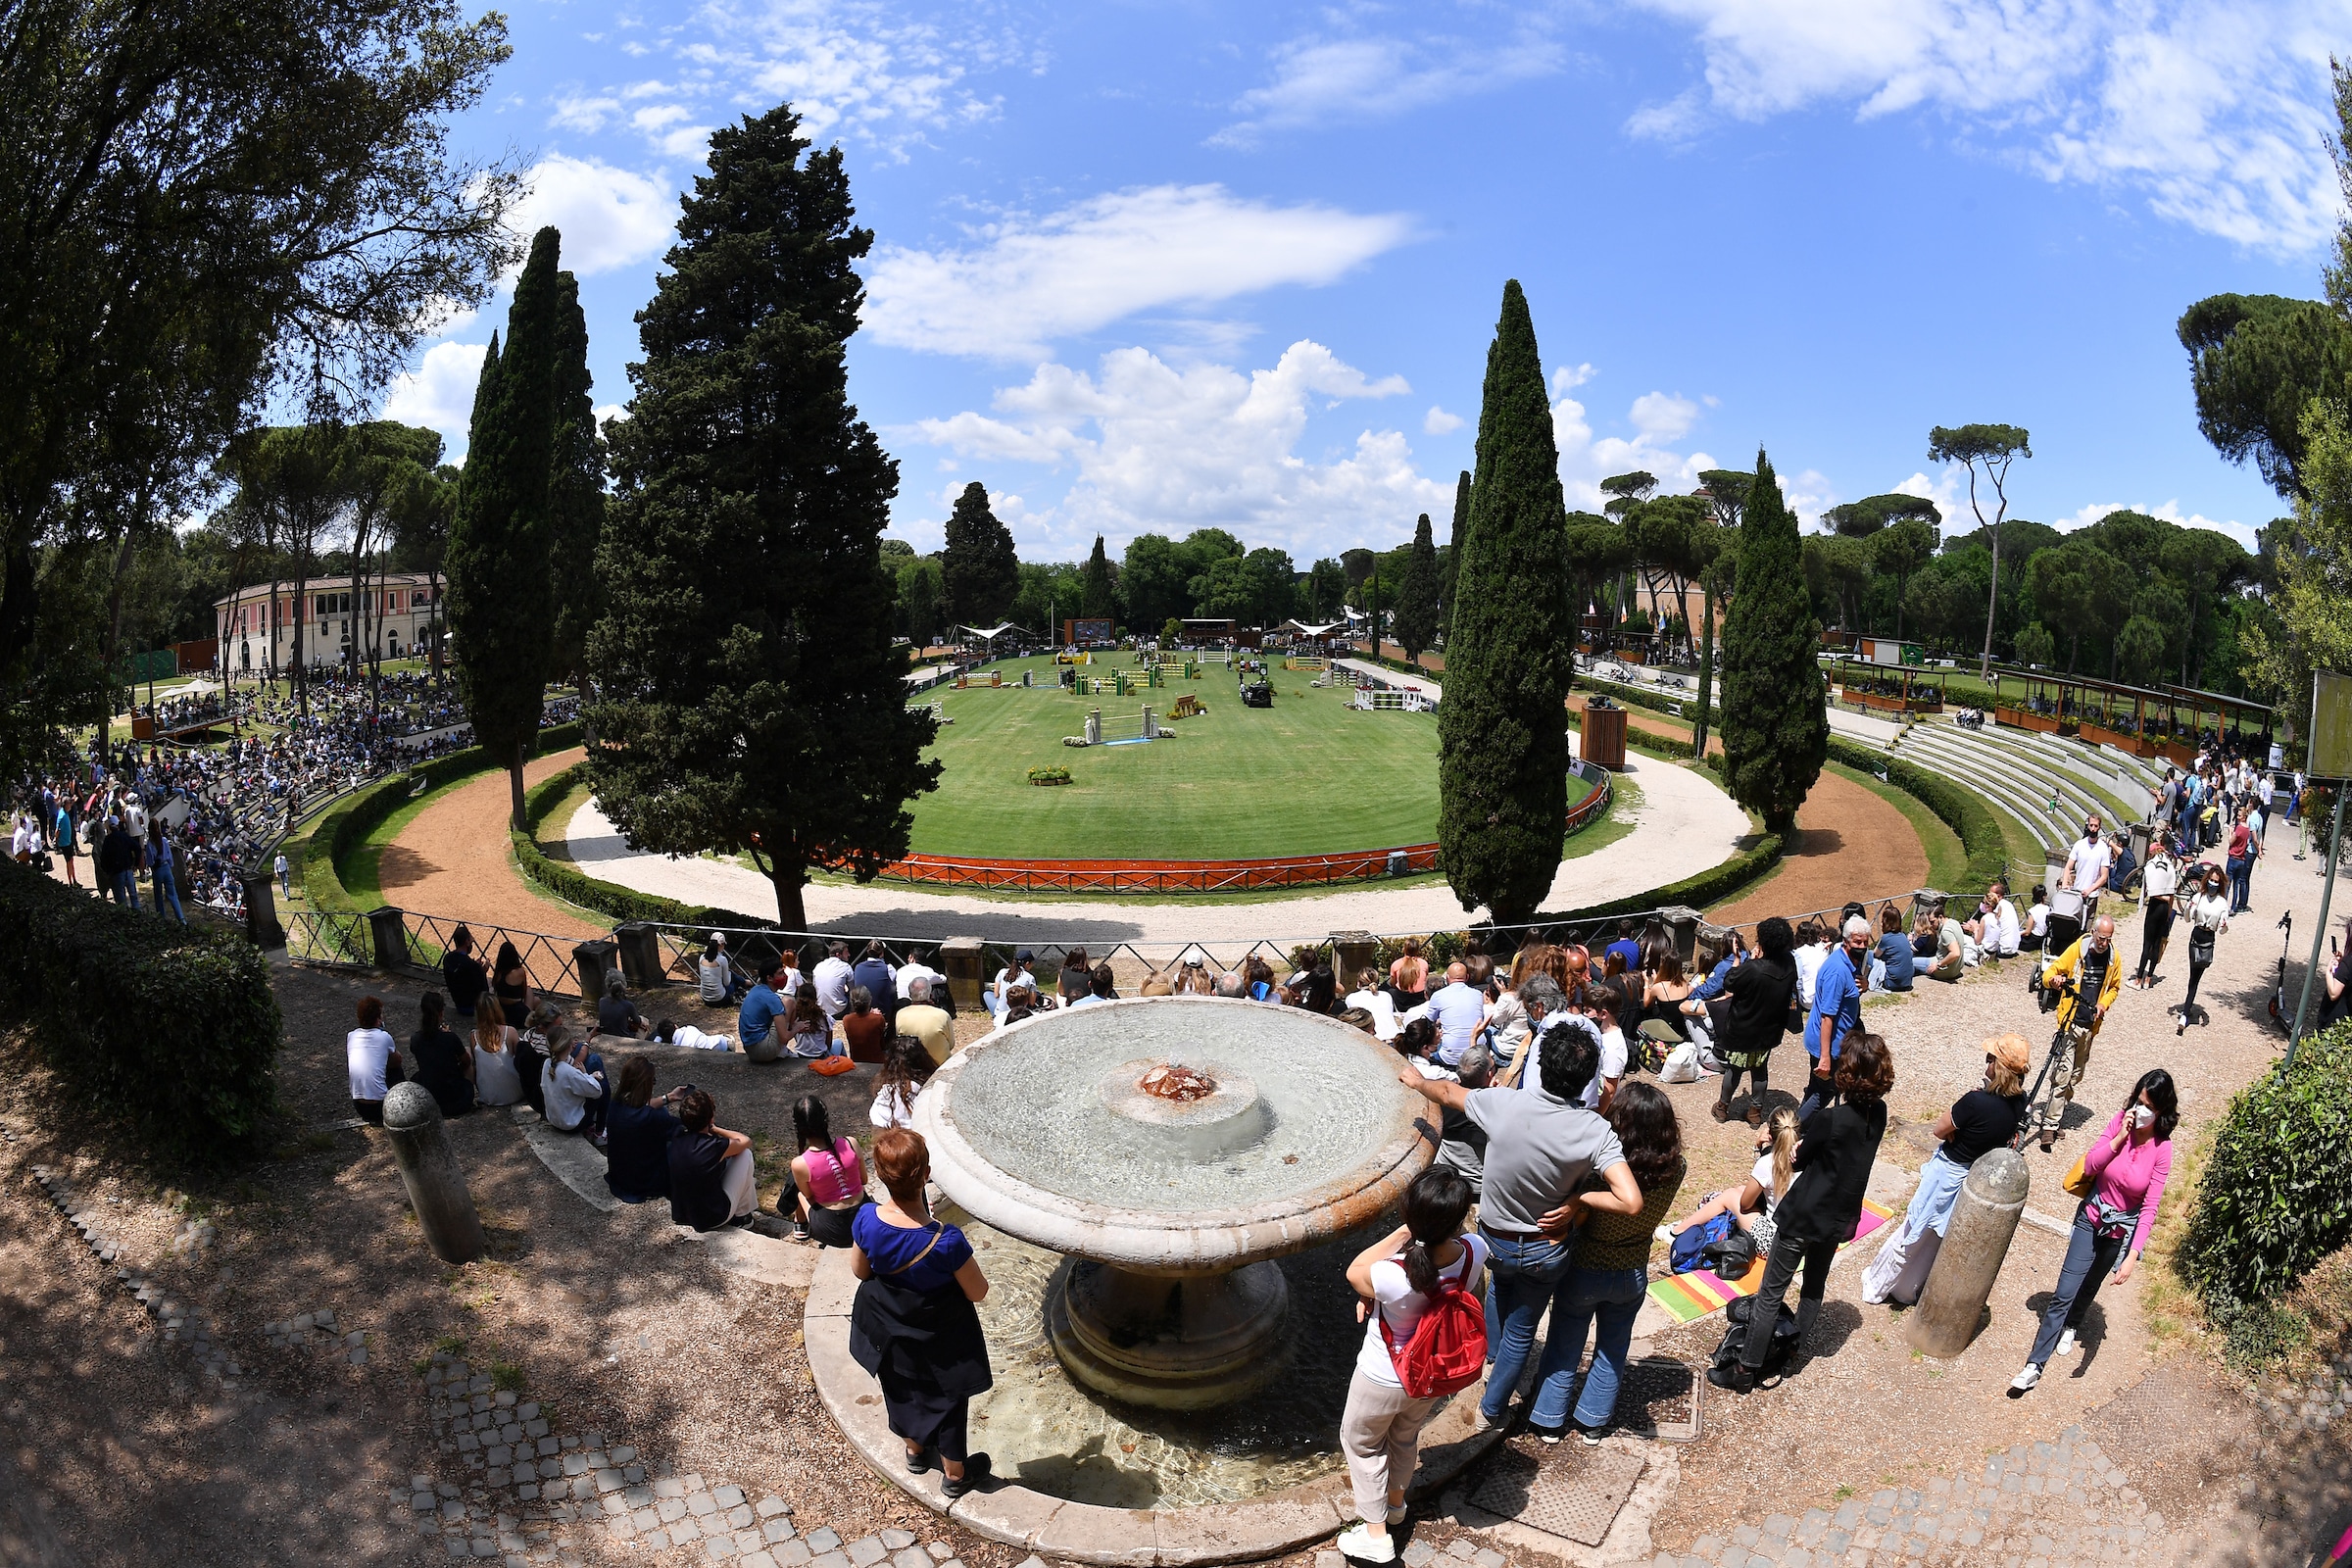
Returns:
point(1362, 1546)
point(2023, 1381)
point(2066, 1343)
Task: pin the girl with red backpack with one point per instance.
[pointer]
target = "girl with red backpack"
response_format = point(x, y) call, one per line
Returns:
point(1425, 1337)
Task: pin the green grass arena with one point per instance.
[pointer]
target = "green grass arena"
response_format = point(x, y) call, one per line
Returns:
point(1307, 776)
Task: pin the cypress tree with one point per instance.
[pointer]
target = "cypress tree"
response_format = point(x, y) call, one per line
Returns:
point(1098, 598)
point(1417, 598)
point(750, 696)
point(576, 490)
point(501, 593)
point(1453, 551)
point(1503, 735)
point(1774, 723)
point(981, 570)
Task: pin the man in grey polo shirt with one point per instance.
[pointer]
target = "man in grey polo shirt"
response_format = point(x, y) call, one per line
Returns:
point(1540, 1148)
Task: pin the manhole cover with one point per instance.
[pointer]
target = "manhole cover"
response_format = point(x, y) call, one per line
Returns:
point(1571, 1491)
point(1659, 1399)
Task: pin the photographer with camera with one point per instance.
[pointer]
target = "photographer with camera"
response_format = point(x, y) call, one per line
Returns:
point(2087, 979)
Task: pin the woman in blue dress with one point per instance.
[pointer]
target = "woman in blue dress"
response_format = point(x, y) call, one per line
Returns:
point(913, 1326)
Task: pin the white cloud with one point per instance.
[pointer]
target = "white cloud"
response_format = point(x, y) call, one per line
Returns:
point(1168, 449)
point(1658, 419)
point(1031, 281)
point(584, 113)
point(609, 216)
point(439, 393)
point(2217, 110)
point(1568, 378)
point(1663, 416)
point(1321, 81)
point(1437, 421)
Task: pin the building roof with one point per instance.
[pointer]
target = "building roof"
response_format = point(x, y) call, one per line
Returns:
point(324, 585)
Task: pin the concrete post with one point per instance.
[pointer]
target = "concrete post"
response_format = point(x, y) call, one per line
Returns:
point(436, 1184)
point(1926, 898)
point(1951, 1308)
point(591, 961)
point(1094, 728)
point(1682, 921)
point(640, 955)
point(1149, 729)
point(1352, 952)
point(390, 930)
point(261, 910)
point(961, 959)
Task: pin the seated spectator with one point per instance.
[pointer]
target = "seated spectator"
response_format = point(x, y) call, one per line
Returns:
point(637, 1134)
point(905, 1067)
point(498, 1069)
point(1230, 984)
point(1605, 1005)
point(1896, 962)
point(616, 1014)
point(373, 1061)
point(1102, 987)
point(875, 972)
point(1257, 979)
point(1193, 978)
point(1021, 972)
point(1368, 995)
point(828, 1179)
point(1952, 951)
point(462, 973)
point(669, 1033)
point(914, 969)
point(2003, 934)
point(1750, 1204)
point(1663, 994)
point(720, 986)
point(1358, 1018)
point(764, 1006)
point(929, 1024)
point(810, 1028)
point(572, 1085)
point(1926, 937)
point(533, 1044)
point(864, 1027)
point(2036, 929)
point(1418, 1042)
point(1022, 1001)
point(1321, 992)
point(1076, 979)
point(444, 1065)
point(1156, 984)
point(711, 1180)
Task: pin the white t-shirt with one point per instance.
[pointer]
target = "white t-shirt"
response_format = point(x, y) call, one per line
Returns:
point(2038, 919)
point(833, 987)
point(694, 1039)
point(1808, 959)
point(909, 973)
point(1762, 1177)
point(368, 1050)
point(2088, 861)
point(889, 1110)
point(2162, 876)
point(1397, 1308)
point(1613, 1065)
point(566, 1092)
point(1382, 1009)
point(2208, 912)
point(2003, 938)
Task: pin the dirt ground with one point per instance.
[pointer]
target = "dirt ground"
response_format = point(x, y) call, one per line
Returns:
point(1848, 843)
point(453, 860)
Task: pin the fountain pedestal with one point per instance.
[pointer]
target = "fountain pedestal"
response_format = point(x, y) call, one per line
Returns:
point(1177, 1342)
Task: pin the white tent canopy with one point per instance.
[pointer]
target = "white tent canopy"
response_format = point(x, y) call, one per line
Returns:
point(1305, 630)
point(990, 634)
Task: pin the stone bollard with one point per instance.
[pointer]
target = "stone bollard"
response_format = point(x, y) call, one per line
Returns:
point(436, 1184)
point(1352, 952)
point(261, 910)
point(591, 961)
point(641, 961)
point(1951, 1308)
point(963, 961)
point(388, 928)
point(1683, 922)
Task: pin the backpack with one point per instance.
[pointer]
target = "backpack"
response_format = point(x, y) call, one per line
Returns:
point(1777, 1354)
point(1684, 1255)
point(1447, 1349)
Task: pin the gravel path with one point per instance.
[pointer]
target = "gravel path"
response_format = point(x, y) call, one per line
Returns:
point(1848, 843)
point(1685, 825)
point(454, 860)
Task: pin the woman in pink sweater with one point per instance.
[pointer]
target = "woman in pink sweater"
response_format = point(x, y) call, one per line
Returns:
point(2127, 1166)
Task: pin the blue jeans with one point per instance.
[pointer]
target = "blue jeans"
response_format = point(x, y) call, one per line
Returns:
point(126, 888)
point(2242, 873)
point(1522, 1273)
point(2090, 1259)
point(1614, 1297)
point(166, 891)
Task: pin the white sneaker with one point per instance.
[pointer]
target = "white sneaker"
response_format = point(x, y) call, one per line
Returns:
point(1664, 1234)
point(1365, 1546)
point(2066, 1343)
point(2023, 1381)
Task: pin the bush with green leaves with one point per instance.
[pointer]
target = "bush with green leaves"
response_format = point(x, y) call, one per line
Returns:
point(169, 1031)
point(2276, 1195)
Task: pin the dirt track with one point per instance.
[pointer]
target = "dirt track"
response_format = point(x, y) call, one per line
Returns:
point(1848, 843)
point(454, 860)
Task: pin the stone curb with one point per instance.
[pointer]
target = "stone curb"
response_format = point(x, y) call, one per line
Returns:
point(1272, 1526)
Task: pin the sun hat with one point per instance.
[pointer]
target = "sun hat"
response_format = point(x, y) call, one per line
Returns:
point(2012, 1051)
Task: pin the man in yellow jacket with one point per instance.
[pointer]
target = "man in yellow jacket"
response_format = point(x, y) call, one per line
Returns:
point(2091, 962)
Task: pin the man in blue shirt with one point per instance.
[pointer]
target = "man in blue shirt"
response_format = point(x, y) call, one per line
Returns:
point(762, 1007)
point(1837, 1012)
point(1625, 945)
point(1459, 1010)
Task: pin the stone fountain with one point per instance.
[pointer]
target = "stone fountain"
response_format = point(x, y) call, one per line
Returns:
point(1170, 1148)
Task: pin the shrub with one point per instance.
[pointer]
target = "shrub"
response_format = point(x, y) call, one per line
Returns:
point(567, 881)
point(171, 1032)
point(2276, 1195)
point(1049, 776)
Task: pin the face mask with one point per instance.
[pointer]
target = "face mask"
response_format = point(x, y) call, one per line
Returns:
point(2143, 1116)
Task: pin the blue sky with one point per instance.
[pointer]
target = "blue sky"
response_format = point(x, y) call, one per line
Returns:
point(1156, 266)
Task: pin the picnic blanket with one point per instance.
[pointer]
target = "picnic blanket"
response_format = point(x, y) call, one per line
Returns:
point(1692, 1295)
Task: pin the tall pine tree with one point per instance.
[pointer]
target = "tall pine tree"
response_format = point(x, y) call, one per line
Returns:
point(501, 593)
point(1453, 552)
point(1502, 731)
point(981, 570)
point(1099, 595)
point(750, 698)
point(576, 495)
point(1775, 722)
point(1417, 597)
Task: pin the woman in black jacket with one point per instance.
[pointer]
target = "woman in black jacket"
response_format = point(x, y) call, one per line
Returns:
point(1759, 992)
point(1834, 1149)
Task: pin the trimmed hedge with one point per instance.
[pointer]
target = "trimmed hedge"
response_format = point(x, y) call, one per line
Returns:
point(172, 1032)
point(568, 882)
point(1957, 808)
point(1711, 886)
point(1637, 696)
point(2275, 1197)
point(336, 835)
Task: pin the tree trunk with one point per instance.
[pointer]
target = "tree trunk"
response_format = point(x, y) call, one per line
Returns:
point(1706, 682)
point(522, 750)
point(791, 879)
point(1900, 583)
point(1993, 602)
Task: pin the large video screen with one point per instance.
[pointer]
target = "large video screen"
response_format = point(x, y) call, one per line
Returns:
point(1087, 631)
